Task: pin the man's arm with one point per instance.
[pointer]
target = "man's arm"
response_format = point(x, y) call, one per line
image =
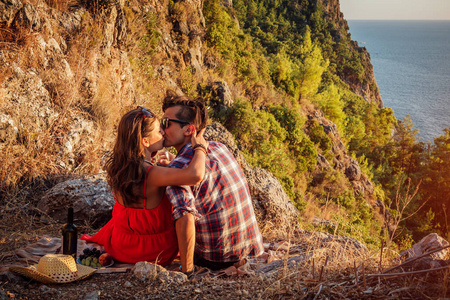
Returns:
point(185, 228)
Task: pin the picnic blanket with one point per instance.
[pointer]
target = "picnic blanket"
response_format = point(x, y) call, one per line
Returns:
point(31, 254)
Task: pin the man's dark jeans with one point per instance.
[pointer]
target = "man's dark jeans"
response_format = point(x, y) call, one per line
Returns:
point(213, 265)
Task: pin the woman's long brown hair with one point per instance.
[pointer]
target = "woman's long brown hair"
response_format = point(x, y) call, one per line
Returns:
point(126, 173)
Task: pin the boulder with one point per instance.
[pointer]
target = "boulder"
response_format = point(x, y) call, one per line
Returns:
point(426, 263)
point(273, 208)
point(353, 171)
point(429, 243)
point(90, 197)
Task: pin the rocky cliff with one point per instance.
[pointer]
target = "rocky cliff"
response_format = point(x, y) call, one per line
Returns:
point(366, 86)
point(69, 69)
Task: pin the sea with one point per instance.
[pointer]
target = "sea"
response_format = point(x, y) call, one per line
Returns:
point(411, 61)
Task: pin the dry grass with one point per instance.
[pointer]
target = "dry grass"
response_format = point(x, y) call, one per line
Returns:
point(329, 268)
point(335, 271)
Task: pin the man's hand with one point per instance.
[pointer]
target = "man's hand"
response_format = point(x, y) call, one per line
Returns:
point(185, 228)
point(198, 138)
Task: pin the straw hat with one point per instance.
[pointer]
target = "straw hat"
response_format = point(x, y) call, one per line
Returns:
point(55, 268)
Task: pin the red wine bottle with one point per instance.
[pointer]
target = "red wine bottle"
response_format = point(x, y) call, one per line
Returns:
point(70, 236)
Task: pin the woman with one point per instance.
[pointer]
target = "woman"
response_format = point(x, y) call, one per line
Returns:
point(141, 228)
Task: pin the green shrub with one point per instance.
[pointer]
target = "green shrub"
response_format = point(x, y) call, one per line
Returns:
point(319, 137)
point(301, 147)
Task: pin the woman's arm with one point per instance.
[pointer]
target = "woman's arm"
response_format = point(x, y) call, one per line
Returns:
point(192, 175)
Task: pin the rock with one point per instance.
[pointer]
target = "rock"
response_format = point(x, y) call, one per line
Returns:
point(10, 277)
point(8, 130)
point(144, 270)
point(81, 132)
point(275, 266)
point(90, 197)
point(426, 263)
point(221, 98)
point(227, 3)
point(319, 222)
point(28, 17)
point(3, 295)
point(324, 240)
point(358, 188)
point(353, 171)
point(181, 27)
point(338, 165)
point(273, 208)
point(172, 277)
point(45, 290)
point(322, 162)
point(8, 10)
point(330, 129)
point(430, 242)
point(178, 277)
point(94, 295)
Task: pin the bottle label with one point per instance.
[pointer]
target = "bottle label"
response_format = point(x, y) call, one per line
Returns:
point(70, 243)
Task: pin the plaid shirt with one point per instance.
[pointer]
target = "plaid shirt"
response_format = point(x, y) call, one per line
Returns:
point(226, 227)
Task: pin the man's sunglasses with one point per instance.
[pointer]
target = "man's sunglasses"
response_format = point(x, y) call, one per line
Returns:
point(165, 122)
point(146, 112)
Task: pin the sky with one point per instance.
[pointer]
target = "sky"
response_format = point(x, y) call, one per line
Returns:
point(396, 9)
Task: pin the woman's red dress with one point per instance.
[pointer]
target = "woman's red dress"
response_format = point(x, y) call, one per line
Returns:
point(139, 234)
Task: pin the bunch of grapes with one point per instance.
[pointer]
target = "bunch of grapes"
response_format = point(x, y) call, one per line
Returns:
point(90, 257)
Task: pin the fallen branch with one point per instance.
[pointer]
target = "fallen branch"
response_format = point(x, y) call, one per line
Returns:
point(415, 258)
point(407, 273)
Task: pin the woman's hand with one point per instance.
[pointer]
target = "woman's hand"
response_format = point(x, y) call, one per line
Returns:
point(165, 157)
point(197, 138)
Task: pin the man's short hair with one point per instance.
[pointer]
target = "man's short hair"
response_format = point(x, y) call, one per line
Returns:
point(192, 110)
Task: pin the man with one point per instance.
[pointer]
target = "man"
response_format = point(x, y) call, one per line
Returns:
point(214, 220)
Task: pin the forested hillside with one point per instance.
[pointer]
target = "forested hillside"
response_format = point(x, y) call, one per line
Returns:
point(311, 61)
point(284, 77)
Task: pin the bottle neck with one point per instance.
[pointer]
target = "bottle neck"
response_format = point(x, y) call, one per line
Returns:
point(70, 216)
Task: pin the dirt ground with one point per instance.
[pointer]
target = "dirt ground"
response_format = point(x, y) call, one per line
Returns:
point(126, 286)
point(307, 280)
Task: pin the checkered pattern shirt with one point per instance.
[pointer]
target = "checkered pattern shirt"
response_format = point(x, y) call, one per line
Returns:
point(226, 227)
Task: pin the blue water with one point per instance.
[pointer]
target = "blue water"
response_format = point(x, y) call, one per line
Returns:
point(411, 61)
